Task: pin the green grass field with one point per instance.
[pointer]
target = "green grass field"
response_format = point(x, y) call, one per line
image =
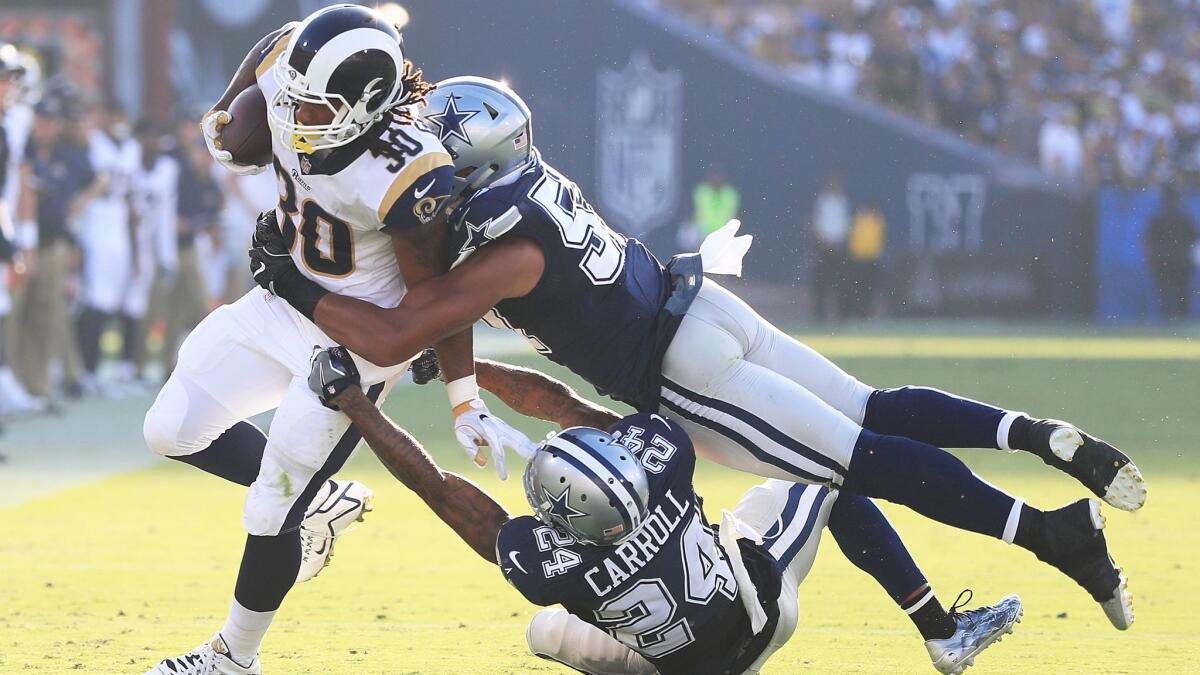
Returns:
point(110, 574)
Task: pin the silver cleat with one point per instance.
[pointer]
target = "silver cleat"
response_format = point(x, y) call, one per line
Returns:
point(977, 630)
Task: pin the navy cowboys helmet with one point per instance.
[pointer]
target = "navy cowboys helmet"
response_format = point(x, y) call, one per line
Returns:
point(347, 58)
point(585, 483)
point(484, 125)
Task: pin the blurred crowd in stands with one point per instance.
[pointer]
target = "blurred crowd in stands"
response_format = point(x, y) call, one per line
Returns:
point(116, 238)
point(1099, 92)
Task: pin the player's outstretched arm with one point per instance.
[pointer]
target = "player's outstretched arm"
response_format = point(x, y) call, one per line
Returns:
point(461, 504)
point(536, 394)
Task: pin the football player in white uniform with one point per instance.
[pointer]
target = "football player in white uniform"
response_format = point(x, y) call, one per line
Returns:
point(105, 231)
point(153, 200)
point(359, 180)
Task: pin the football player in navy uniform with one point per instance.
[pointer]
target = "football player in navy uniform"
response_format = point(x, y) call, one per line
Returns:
point(353, 165)
point(528, 252)
point(619, 538)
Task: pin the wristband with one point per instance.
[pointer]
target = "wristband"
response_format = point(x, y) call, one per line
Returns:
point(462, 390)
point(300, 292)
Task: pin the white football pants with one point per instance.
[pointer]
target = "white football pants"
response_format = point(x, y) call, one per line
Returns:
point(755, 399)
point(245, 359)
point(790, 517)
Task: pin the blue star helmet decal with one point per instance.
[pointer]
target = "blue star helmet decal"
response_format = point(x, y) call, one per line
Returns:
point(561, 507)
point(451, 120)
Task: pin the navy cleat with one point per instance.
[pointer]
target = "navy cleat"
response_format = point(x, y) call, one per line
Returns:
point(977, 629)
point(1075, 544)
point(1103, 469)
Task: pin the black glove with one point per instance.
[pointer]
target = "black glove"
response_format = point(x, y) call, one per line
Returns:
point(333, 371)
point(272, 267)
point(425, 368)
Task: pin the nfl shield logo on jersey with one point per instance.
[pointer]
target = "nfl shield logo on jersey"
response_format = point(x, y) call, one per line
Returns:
point(639, 127)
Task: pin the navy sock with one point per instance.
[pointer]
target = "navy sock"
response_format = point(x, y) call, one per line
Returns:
point(928, 480)
point(933, 417)
point(869, 541)
point(268, 572)
point(236, 455)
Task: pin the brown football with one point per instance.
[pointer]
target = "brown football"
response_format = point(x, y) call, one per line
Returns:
point(247, 136)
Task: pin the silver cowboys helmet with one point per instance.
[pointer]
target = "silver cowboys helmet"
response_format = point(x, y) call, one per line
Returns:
point(585, 483)
point(484, 125)
point(346, 58)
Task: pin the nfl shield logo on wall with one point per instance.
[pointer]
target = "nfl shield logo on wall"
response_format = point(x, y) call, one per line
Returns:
point(638, 135)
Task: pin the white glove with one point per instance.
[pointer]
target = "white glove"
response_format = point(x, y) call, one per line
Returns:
point(722, 251)
point(476, 426)
point(211, 125)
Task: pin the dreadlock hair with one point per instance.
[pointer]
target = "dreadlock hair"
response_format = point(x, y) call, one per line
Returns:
point(416, 88)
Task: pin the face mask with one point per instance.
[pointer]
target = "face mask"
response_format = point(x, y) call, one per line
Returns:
point(120, 131)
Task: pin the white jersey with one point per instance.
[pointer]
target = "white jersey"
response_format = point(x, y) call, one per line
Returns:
point(18, 123)
point(118, 159)
point(334, 207)
point(154, 198)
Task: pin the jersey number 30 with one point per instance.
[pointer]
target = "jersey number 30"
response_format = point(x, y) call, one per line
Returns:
point(327, 245)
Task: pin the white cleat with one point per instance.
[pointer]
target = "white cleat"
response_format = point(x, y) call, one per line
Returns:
point(338, 504)
point(1119, 608)
point(977, 629)
point(210, 658)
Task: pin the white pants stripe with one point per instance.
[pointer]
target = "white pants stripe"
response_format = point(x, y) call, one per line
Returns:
point(755, 399)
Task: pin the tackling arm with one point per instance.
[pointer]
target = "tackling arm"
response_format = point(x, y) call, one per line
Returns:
point(461, 504)
point(419, 253)
point(536, 394)
point(431, 311)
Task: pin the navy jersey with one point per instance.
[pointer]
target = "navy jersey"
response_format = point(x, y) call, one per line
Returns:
point(667, 592)
point(599, 308)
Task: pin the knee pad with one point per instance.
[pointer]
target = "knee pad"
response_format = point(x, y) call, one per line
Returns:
point(164, 420)
point(556, 635)
point(183, 420)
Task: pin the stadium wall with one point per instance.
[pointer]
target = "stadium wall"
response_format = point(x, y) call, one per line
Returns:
point(636, 106)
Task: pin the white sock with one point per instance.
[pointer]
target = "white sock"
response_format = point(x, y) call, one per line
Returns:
point(244, 630)
point(1014, 519)
point(1006, 423)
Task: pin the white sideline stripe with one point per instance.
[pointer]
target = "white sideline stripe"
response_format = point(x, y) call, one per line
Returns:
point(756, 437)
point(793, 529)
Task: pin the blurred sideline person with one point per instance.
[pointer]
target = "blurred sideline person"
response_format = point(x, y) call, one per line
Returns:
point(57, 182)
point(865, 247)
point(13, 396)
point(714, 202)
point(245, 198)
point(184, 299)
point(106, 233)
point(620, 534)
point(356, 172)
point(154, 202)
point(529, 253)
point(830, 229)
point(17, 122)
point(1169, 243)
